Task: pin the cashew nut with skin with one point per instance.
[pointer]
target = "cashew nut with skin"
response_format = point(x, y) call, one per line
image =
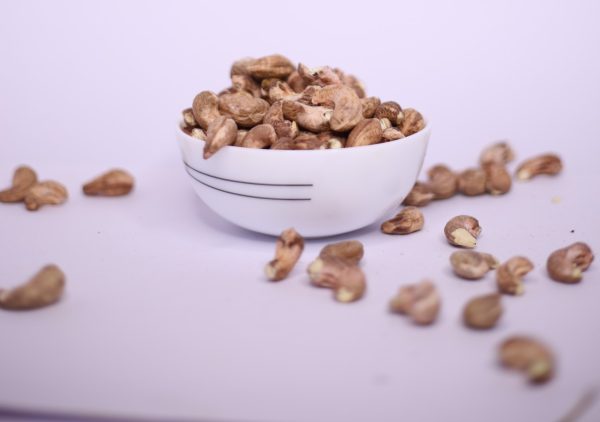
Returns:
point(288, 249)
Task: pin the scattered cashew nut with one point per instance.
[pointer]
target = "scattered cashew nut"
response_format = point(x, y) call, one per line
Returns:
point(23, 179)
point(567, 264)
point(288, 249)
point(462, 231)
point(44, 288)
point(420, 301)
point(115, 182)
point(509, 276)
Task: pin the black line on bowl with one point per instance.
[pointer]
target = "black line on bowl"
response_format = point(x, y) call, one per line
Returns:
point(244, 182)
point(243, 194)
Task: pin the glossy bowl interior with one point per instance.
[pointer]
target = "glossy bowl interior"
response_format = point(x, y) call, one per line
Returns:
point(318, 192)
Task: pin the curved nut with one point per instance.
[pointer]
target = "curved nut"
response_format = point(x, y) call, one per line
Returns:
point(529, 356)
point(320, 76)
point(115, 182)
point(273, 66)
point(221, 132)
point(278, 91)
point(24, 178)
point(313, 118)
point(509, 276)
point(390, 110)
point(442, 181)
point(420, 301)
point(483, 312)
point(419, 196)
point(366, 132)
point(241, 134)
point(245, 83)
point(288, 249)
point(296, 82)
point(260, 136)
point(45, 193)
point(550, 164)
point(347, 280)
point(45, 288)
point(567, 264)
point(347, 250)
point(283, 128)
point(385, 124)
point(205, 108)
point(412, 122)
point(472, 182)
point(240, 67)
point(352, 82)
point(284, 144)
point(198, 133)
point(462, 231)
point(499, 152)
point(333, 140)
point(497, 178)
point(188, 118)
point(305, 141)
point(246, 110)
point(472, 265)
point(409, 220)
point(347, 108)
point(392, 134)
point(369, 105)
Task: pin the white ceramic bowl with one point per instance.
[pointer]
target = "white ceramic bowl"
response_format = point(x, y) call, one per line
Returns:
point(318, 192)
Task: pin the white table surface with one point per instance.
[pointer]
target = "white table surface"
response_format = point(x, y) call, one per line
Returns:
point(167, 314)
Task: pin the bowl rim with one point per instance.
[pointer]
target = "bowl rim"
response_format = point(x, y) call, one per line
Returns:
point(389, 144)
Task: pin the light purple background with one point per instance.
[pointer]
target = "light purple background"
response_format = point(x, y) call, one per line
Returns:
point(167, 313)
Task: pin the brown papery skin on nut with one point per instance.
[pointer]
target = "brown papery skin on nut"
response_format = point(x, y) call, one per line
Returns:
point(509, 276)
point(242, 107)
point(419, 196)
point(188, 118)
point(369, 105)
point(529, 356)
point(245, 83)
point(483, 312)
point(346, 278)
point(408, 220)
point(273, 66)
point(390, 110)
point(499, 152)
point(497, 179)
point(43, 289)
point(549, 164)
point(296, 82)
point(23, 179)
point(462, 231)
point(366, 132)
point(412, 122)
point(567, 264)
point(116, 182)
point(420, 301)
point(347, 108)
point(48, 192)
point(392, 134)
point(472, 182)
point(351, 81)
point(472, 265)
point(288, 249)
point(221, 132)
point(260, 136)
point(205, 108)
point(348, 250)
point(442, 181)
point(313, 118)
